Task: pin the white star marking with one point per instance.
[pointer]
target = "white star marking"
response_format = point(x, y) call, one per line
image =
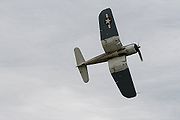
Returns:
point(108, 21)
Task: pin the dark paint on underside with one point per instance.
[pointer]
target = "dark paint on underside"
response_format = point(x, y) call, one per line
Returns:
point(124, 82)
point(105, 31)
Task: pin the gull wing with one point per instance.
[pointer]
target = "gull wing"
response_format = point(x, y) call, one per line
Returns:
point(121, 74)
point(108, 32)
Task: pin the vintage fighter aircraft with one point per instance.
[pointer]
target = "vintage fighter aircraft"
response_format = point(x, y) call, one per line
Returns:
point(115, 54)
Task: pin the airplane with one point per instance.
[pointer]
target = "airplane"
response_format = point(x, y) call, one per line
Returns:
point(115, 54)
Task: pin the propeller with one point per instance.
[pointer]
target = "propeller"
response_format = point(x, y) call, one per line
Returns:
point(138, 50)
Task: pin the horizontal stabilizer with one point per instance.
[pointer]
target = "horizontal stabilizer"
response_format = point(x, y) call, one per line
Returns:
point(80, 64)
point(84, 73)
point(79, 57)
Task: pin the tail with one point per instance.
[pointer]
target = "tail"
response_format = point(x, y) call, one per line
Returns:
point(80, 64)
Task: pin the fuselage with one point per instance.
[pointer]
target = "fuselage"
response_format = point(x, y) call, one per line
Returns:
point(125, 50)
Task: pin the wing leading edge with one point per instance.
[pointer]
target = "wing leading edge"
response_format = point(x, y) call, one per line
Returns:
point(121, 75)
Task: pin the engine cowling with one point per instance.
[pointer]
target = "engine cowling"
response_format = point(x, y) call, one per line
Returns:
point(130, 49)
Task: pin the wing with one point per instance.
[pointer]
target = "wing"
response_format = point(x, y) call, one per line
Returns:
point(120, 72)
point(108, 32)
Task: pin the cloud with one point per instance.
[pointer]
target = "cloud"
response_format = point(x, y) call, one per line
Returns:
point(38, 77)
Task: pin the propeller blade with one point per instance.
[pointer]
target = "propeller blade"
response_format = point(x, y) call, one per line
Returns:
point(140, 55)
point(138, 50)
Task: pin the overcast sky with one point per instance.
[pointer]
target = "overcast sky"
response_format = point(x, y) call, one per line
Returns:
point(38, 77)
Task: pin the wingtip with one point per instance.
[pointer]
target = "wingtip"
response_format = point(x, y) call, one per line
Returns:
point(106, 9)
point(130, 96)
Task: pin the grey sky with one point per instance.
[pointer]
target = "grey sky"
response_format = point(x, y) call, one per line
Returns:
point(38, 78)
